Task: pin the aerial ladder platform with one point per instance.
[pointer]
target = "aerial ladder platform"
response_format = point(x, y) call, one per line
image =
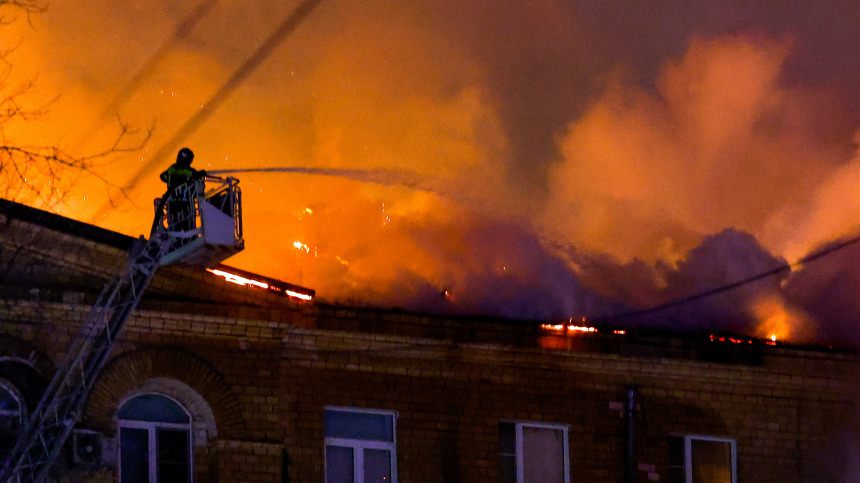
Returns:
point(198, 224)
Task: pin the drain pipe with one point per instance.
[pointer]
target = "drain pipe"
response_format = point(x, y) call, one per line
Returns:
point(629, 454)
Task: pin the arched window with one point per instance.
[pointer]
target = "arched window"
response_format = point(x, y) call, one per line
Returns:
point(11, 402)
point(12, 414)
point(154, 440)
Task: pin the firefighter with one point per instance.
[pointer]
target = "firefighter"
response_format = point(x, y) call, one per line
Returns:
point(181, 192)
point(181, 171)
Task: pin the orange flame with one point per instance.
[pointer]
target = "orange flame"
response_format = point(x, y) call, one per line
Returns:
point(569, 328)
point(248, 282)
point(238, 279)
point(775, 320)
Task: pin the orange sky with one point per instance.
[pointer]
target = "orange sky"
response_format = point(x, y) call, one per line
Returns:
point(555, 139)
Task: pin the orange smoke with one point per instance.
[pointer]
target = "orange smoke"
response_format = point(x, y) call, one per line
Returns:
point(719, 139)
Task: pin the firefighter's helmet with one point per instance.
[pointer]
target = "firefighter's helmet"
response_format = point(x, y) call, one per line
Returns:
point(185, 157)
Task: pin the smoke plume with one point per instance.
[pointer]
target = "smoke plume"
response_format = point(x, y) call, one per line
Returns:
point(564, 159)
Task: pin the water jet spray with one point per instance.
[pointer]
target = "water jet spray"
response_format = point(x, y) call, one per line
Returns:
point(385, 177)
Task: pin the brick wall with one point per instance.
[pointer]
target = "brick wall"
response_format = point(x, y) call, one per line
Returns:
point(450, 399)
point(268, 381)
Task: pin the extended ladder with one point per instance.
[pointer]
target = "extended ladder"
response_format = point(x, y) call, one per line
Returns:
point(211, 231)
point(50, 423)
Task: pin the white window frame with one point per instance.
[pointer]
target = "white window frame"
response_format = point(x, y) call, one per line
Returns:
point(688, 453)
point(359, 445)
point(518, 443)
point(152, 427)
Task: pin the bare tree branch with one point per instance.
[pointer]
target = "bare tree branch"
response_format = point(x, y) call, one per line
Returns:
point(44, 175)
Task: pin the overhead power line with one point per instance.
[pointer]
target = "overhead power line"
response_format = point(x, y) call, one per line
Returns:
point(180, 33)
point(192, 124)
point(733, 285)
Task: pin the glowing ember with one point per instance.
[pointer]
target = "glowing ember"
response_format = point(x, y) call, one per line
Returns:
point(620, 332)
point(736, 340)
point(306, 211)
point(569, 328)
point(301, 246)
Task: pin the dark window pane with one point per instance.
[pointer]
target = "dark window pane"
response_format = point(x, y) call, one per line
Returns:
point(339, 465)
point(134, 455)
point(9, 427)
point(543, 455)
point(173, 456)
point(676, 451)
point(356, 425)
point(676, 475)
point(712, 461)
point(153, 408)
point(508, 469)
point(377, 466)
point(8, 402)
point(507, 439)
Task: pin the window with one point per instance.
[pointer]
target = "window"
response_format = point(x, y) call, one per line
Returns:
point(154, 441)
point(360, 446)
point(11, 403)
point(533, 453)
point(702, 459)
point(12, 414)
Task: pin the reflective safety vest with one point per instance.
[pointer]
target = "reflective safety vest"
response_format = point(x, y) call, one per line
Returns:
point(177, 175)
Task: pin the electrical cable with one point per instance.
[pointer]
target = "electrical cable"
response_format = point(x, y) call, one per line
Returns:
point(239, 76)
point(731, 286)
point(180, 33)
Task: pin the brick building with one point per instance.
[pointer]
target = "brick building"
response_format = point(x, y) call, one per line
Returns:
point(232, 383)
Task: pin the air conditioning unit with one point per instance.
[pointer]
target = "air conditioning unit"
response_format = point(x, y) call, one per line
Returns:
point(92, 450)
